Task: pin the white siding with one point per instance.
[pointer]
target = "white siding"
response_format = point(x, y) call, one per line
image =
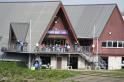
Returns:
point(64, 62)
point(114, 62)
point(53, 62)
point(81, 63)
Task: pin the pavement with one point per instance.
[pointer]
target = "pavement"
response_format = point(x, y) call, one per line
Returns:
point(89, 78)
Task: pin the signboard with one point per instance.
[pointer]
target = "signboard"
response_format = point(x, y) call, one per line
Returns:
point(57, 32)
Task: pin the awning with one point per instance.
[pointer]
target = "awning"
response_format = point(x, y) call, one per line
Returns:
point(20, 30)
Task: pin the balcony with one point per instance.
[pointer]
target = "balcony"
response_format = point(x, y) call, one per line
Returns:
point(53, 49)
point(63, 49)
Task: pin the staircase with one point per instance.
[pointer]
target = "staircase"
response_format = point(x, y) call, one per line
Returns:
point(87, 54)
point(102, 63)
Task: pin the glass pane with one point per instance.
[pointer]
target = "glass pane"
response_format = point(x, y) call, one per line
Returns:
point(119, 44)
point(109, 44)
point(114, 44)
point(123, 44)
point(103, 44)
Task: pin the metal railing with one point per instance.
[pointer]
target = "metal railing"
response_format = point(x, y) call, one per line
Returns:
point(14, 49)
point(80, 49)
point(84, 49)
point(102, 63)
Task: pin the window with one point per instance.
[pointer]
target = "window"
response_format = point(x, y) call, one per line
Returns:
point(120, 44)
point(103, 44)
point(122, 60)
point(123, 44)
point(109, 44)
point(113, 44)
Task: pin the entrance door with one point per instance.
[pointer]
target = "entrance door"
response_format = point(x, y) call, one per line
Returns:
point(74, 62)
point(59, 62)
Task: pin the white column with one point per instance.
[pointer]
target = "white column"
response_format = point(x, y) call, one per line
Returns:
point(97, 52)
point(29, 60)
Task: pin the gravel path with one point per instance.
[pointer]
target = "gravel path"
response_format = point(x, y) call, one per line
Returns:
point(89, 78)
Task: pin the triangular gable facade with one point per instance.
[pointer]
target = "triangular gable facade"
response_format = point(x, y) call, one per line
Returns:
point(59, 28)
point(113, 33)
point(20, 30)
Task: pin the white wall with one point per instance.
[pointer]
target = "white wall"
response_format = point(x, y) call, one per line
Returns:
point(114, 62)
point(64, 62)
point(81, 63)
point(53, 62)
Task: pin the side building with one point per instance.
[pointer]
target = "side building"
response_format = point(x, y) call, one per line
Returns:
point(100, 26)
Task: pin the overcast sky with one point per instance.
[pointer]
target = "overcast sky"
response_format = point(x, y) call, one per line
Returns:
point(68, 2)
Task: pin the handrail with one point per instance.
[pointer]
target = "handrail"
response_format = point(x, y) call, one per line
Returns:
point(82, 49)
point(102, 63)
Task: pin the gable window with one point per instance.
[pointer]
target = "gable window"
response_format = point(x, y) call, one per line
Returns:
point(123, 44)
point(109, 43)
point(120, 44)
point(114, 44)
point(103, 44)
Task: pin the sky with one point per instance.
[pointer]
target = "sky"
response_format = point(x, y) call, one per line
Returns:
point(69, 2)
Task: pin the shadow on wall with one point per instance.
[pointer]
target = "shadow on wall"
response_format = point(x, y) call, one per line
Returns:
point(13, 57)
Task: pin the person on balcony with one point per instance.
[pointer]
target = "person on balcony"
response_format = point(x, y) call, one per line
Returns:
point(21, 45)
point(68, 47)
point(18, 46)
point(37, 47)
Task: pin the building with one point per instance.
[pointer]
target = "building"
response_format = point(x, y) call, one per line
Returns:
point(69, 36)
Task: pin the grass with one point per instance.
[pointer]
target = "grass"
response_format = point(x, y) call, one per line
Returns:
point(16, 72)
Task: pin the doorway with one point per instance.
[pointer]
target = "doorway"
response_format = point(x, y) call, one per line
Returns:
point(106, 61)
point(59, 62)
point(45, 60)
point(74, 62)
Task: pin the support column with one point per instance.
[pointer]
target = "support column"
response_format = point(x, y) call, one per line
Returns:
point(81, 63)
point(29, 61)
point(64, 62)
point(53, 62)
point(97, 52)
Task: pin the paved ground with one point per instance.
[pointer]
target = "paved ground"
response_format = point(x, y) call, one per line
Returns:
point(89, 78)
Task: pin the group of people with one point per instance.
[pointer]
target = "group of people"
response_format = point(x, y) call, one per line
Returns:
point(55, 48)
point(38, 64)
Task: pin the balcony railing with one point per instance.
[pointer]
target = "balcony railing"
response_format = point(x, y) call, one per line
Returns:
point(84, 49)
point(61, 49)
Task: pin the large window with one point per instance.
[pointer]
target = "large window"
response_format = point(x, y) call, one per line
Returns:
point(113, 44)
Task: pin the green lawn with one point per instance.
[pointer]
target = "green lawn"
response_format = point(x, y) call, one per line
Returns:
point(16, 72)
